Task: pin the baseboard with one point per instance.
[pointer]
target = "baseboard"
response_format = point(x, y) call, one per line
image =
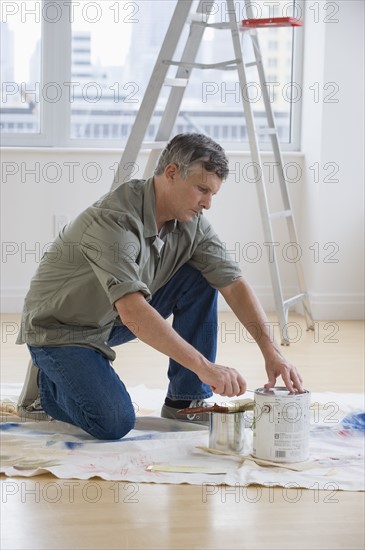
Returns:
point(325, 307)
point(339, 307)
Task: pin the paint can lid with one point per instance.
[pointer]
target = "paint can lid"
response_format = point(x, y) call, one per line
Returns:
point(279, 391)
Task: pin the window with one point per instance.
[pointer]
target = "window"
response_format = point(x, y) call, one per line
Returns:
point(80, 75)
point(20, 71)
point(272, 62)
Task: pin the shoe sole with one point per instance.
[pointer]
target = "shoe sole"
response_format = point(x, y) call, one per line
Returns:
point(34, 416)
point(30, 390)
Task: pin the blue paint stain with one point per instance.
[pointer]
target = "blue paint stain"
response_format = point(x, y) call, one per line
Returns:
point(73, 444)
point(354, 422)
point(9, 425)
point(139, 437)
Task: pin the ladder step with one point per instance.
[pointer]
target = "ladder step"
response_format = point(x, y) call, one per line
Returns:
point(295, 300)
point(201, 19)
point(251, 64)
point(198, 17)
point(281, 214)
point(223, 65)
point(176, 82)
point(272, 22)
point(221, 25)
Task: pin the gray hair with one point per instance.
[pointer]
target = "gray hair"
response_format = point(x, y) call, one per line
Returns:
point(186, 150)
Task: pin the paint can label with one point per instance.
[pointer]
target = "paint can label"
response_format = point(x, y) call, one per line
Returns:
point(281, 425)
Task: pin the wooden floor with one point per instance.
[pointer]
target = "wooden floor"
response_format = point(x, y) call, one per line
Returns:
point(97, 514)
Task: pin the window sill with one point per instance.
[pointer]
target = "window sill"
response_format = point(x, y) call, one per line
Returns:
point(113, 151)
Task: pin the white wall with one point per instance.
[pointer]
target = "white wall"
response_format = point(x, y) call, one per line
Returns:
point(325, 212)
point(30, 199)
point(333, 135)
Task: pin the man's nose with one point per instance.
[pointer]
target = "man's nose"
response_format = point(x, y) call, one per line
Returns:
point(206, 202)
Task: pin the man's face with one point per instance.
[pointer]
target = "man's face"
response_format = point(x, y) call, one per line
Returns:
point(192, 195)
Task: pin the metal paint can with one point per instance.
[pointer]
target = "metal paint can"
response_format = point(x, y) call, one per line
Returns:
point(281, 425)
point(226, 431)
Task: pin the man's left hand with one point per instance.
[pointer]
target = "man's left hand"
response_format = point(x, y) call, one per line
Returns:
point(279, 366)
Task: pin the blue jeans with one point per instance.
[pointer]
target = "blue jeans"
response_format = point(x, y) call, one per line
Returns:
point(78, 384)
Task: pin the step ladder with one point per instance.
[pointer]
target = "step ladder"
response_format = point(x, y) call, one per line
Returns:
point(198, 23)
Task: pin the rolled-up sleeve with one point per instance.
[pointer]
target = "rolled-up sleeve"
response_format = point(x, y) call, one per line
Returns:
point(113, 252)
point(211, 258)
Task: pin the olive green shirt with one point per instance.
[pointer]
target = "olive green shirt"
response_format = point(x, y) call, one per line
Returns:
point(112, 249)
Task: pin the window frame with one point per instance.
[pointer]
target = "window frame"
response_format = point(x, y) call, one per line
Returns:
point(55, 123)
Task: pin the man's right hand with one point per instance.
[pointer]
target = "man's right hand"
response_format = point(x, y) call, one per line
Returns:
point(224, 381)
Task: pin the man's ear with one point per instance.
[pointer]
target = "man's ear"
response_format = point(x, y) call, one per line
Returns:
point(171, 171)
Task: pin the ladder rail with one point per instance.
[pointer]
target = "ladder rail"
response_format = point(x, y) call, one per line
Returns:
point(176, 95)
point(281, 308)
point(149, 101)
point(198, 23)
point(291, 226)
point(256, 157)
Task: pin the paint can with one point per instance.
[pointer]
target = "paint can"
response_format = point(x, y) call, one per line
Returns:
point(281, 425)
point(226, 431)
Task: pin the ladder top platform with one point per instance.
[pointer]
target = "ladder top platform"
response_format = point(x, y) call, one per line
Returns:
point(272, 22)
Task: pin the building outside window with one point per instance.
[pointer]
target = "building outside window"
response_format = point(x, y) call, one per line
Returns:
point(74, 74)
